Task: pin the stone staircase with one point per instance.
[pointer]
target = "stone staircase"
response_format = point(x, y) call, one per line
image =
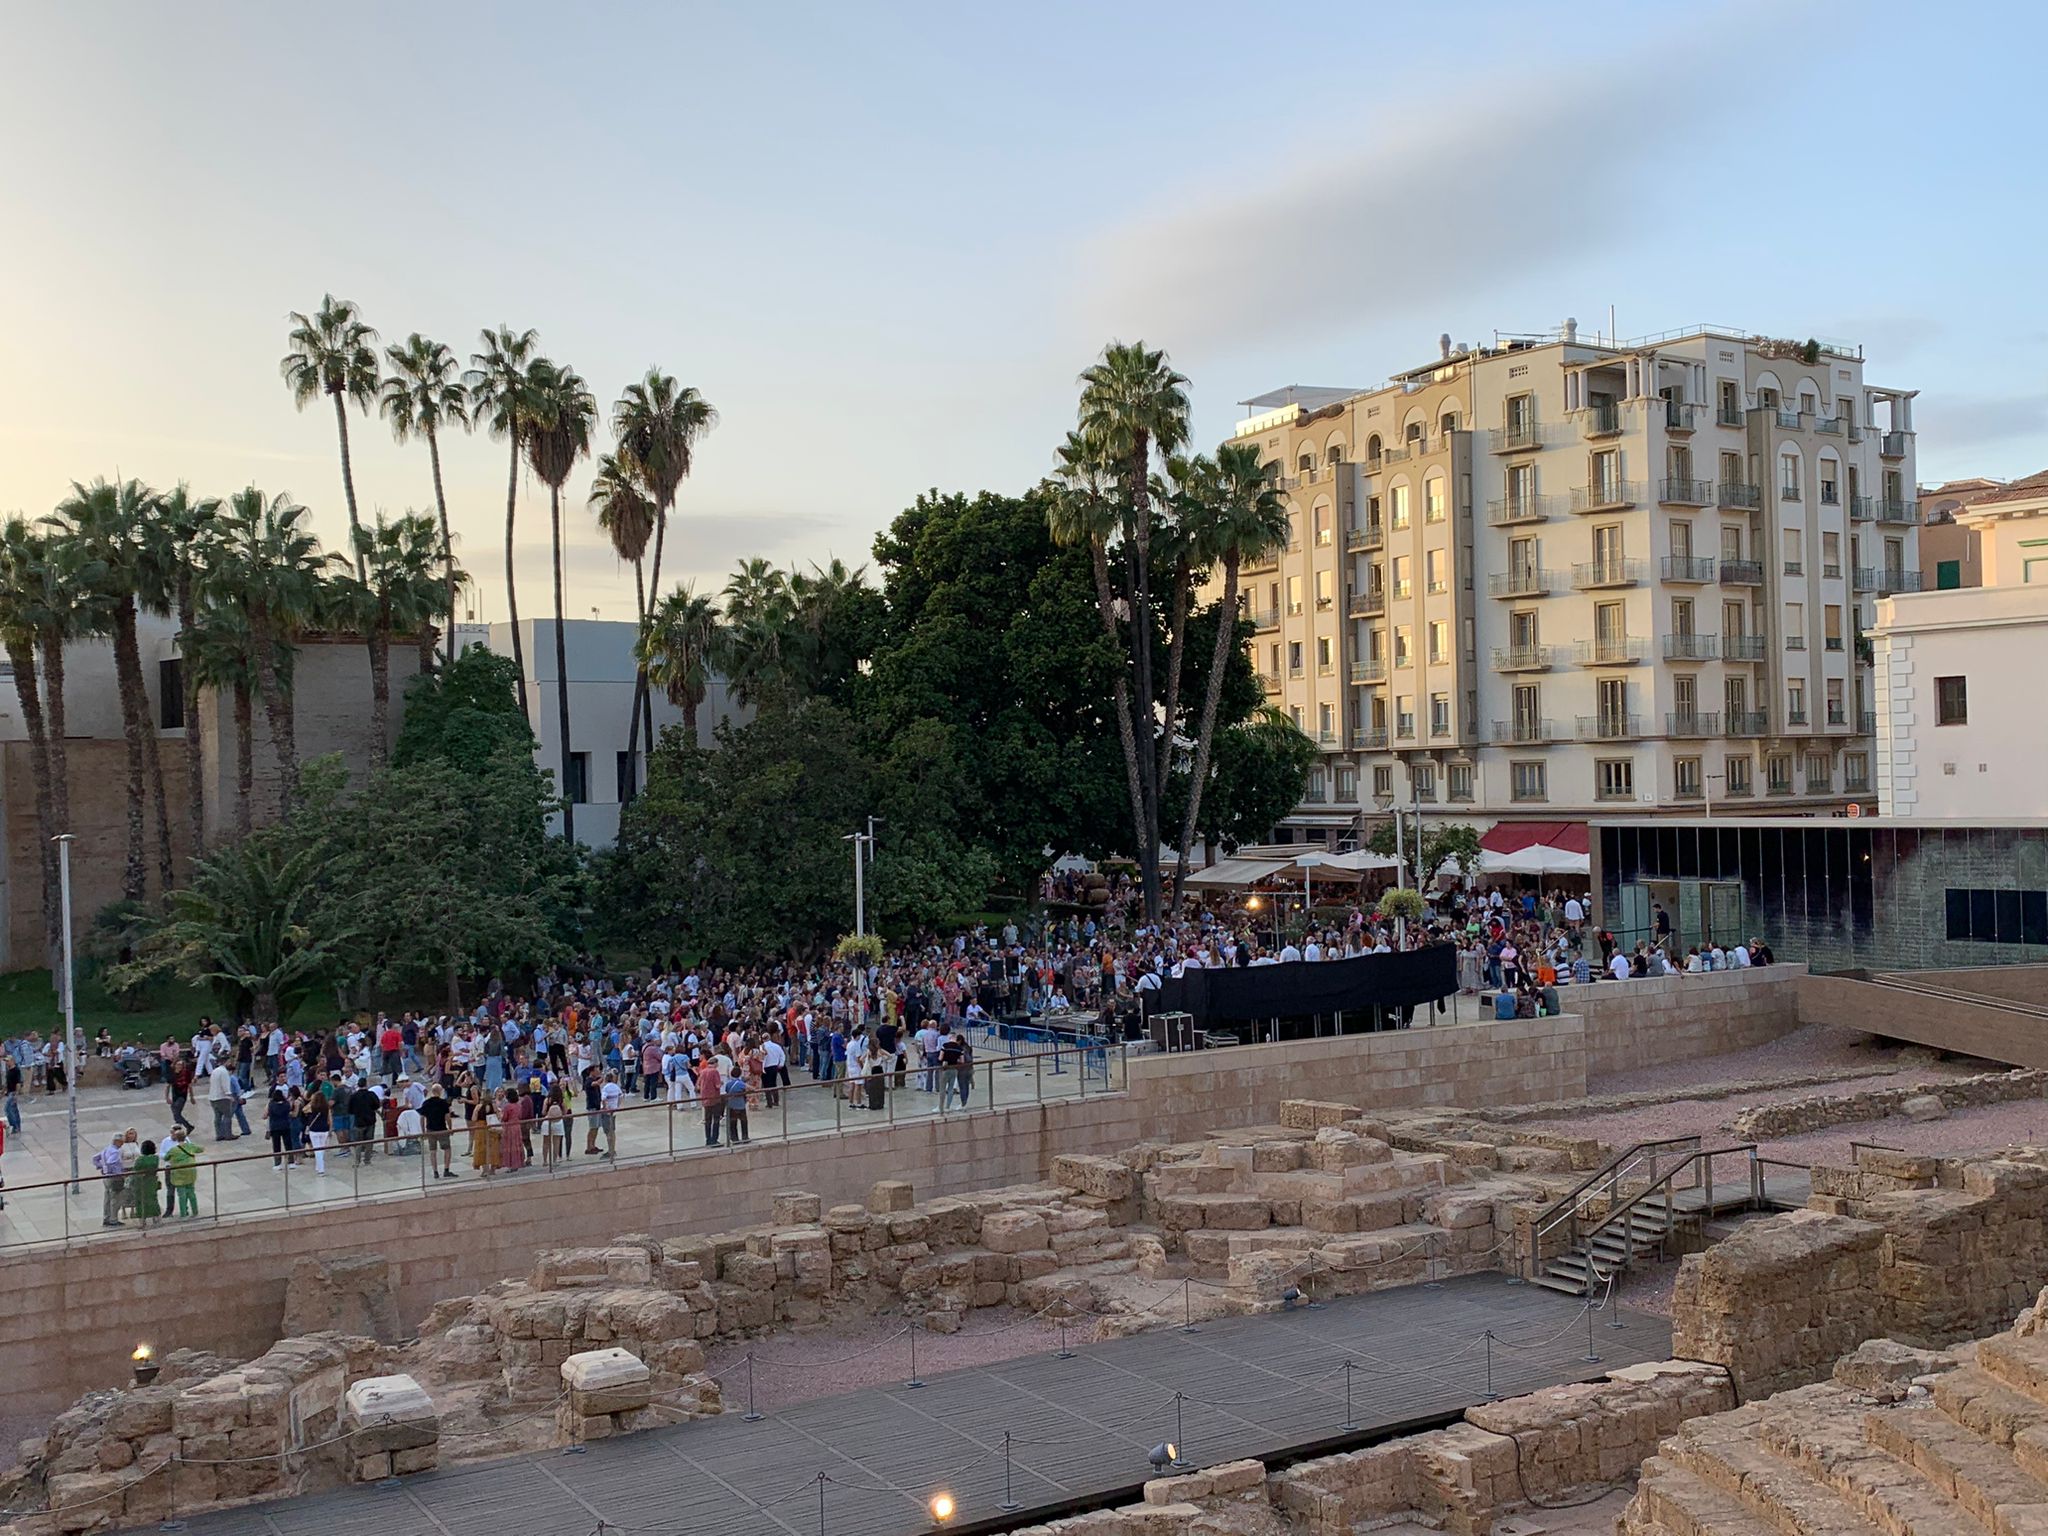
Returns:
point(1900, 1443)
point(1583, 1271)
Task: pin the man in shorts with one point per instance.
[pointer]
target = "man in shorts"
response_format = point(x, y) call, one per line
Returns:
point(434, 1118)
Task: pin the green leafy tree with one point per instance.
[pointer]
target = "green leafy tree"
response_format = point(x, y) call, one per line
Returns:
point(675, 648)
point(466, 714)
point(1443, 842)
point(22, 551)
point(1259, 768)
point(399, 594)
point(177, 545)
point(220, 653)
point(333, 352)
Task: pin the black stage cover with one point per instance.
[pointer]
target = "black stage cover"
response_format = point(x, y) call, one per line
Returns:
point(1300, 989)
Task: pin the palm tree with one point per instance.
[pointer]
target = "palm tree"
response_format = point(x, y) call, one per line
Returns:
point(22, 552)
point(422, 395)
point(496, 382)
point(399, 594)
point(657, 423)
point(676, 644)
point(174, 564)
point(761, 645)
point(558, 412)
point(220, 653)
point(627, 517)
point(1239, 516)
point(333, 353)
point(274, 568)
point(106, 526)
point(1132, 403)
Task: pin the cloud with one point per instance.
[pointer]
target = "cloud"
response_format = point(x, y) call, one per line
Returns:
point(1945, 422)
point(1477, 183)
point(1890, 337)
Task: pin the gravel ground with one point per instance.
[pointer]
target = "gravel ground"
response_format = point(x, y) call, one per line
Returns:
point(797, 1368)
point(1816, 1048)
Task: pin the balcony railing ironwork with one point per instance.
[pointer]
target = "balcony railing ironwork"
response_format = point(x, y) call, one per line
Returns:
point(1742, 573)
point(1614, 651)
point(1692, 569)
point(1739, 496)
point(1610, 727)
point(1691, 724)
point(1692, 647)
point(1606, 495)
point(1527, 583)
point(1593, 575)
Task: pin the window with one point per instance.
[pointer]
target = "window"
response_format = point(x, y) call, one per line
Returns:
point(1433, 563)
point(1439, 714)
point(1325, 658)
point(1528, 723)
point(1788, 477)
point(1335, 455)
point(1423, 777)
point(1382, 780)
point(1607, 548)
point(1819, 772)
point(1795, 701)
point(1525, 781)
point(1404, 716)
point(1830, 487)
point(1831, 625)
point(1606, 478)
point(1458, 778)
point(1294, 658)
point(1433, 499)
point(1778, 773)
point(1730, 413)
point(1739, 782)
point(1681, 540)
point(1325, 588)
point(1681, 616)
point(1685, 778)
point(1294, 714)
point(1795, 626)
point(1952, 701)
point(1836, 711)
point(1347, 784)
point(1294, 595)
point(1795, 550)
point(1998, 917)
point(1439, 642)
point(1376, 644)
point(1831, 556)
point(1522, 487)
point(1521, 416)
point(1305, 463)
point(1397, 515)
point(1293, 531)
point(577, 790)
point(1522, 630)
point(1403, 585)
point(1326, 723)
point(1731, 469)
point(170, 697)
point(627, 769)
point(1610, 695)
point(1322, 523)
point(1855, 770)
point(1404, 645)
point(1615, 778)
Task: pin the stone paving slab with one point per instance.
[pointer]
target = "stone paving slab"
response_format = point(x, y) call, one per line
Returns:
point(1080, 1428)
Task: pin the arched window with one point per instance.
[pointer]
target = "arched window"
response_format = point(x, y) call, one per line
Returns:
point(1305, 463)
point(1373, 449)
point(1334, 454)
point(1449, 423)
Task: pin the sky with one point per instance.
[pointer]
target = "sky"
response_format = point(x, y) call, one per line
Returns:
point(882, 239)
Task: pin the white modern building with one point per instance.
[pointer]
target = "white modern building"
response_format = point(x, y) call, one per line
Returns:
point(1559, 572)
point(605, 770)
point(1960, 732)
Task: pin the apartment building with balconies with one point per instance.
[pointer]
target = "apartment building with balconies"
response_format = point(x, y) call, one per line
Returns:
point(1559, 572)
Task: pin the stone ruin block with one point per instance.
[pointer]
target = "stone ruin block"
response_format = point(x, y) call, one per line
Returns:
point(888, 1196)
point(393, 1428)
point(1313, 1114)
point(1335, 1150)
point(608, 1393)
point(1014, 1232)
point(796, 1208)
point(1103, 1176)
point(348, 1294)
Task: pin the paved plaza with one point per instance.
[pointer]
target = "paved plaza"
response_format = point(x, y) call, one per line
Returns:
point(1079, 1428)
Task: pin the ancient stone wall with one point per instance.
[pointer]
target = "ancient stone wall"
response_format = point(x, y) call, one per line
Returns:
point(1911, 1101)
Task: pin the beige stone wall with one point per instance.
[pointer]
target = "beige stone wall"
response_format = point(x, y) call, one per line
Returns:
point(1944, 1023)
point(1681, 1018)
point(2014, 983)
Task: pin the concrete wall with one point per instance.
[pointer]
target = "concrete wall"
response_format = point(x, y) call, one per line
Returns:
point(1635, 1024)
point(1942, 1023)
point(2015, 983)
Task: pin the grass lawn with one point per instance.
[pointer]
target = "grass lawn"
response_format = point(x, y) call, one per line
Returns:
point(28, 1001)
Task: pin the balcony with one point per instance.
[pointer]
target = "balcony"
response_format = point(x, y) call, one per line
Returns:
point(1599, 575)
point(1326, 738)
point(1832, 425)
point(1524, 658)
point(1837, 717)
point(1738, 496)
point(1366, 605)
point(1862, 509)
point(1368, 738)
point(1893, 444)
point(1787, 421)
point(1403, 591)
point(1744, 722)
point(1884, 581)
point(1795, 717)
point(1517, 438)
point(1742, 647)
point(1511, 511)
point(1607, 495)
point(1529, 583)
point(1729, 414)
point(1830, 494)
point(1614, 651)
point(1795, 642)
point(1788, 493)
point(1742, 573)
point(1371, 536)
point(1856, 784)
point(1692, 647)
point(1601, 420)
point(1680, 417)
point(1270, 560)
point(1315, 794)
point(1269, 682)
point(1687, 570)
point(1690, 724)
point(1404, 730)
point(1525, 732)
point(1610, 727)
point(1265, 618)
point(1685, 493)
point(1794, 568)
point(1904, 511)
point(1397, 454)
point(1369, 671)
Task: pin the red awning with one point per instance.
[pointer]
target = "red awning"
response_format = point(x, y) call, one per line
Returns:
point(1511, 836)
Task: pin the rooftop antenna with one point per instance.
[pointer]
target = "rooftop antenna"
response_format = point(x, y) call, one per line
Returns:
point(1613, 336)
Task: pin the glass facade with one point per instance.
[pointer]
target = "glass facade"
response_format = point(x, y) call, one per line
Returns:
point(1836, 894)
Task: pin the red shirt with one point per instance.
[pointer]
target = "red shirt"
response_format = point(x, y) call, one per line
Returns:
point(391, 1039)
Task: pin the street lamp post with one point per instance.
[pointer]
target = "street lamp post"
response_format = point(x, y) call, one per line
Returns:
point(70, 1003)
point(1385, 801)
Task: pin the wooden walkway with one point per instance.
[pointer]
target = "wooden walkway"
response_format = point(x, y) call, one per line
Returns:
point(1079, 1428)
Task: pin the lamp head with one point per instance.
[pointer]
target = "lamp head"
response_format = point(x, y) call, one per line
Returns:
point(1163, 1456)
point(942, 1507)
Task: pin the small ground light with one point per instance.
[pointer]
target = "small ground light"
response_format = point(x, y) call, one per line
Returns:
point(145, 1364)
point(1289, 1297)
point(1165, 1454)
point(942, 1507)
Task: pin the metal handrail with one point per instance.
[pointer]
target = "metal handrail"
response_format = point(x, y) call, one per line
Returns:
point(1610, 1171)
point(1580, 1239)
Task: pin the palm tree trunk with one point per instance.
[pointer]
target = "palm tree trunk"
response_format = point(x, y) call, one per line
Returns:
point(195, 751)
point(425, 664)
point(639, 693)
point(511, 583)
point(562, 667)
point(1105, 605)
point(380, 688)
point(134, 724)
point(348, 484)
point(21, 655)
point(1205, 733)
point(1141, 650)
point(447, 549)
point(1183, 594)
point(245, 757)
point(640, 688)
point(60, 766)
point(689, 724)
point(278, 709)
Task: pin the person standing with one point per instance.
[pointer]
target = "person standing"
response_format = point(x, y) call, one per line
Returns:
point(113, 1172)
point(774, 1069)
point(220, 1098)
point(147, 1207)
point(365, 1112)
point(178, 1091)
point(434, 1117)
point(711, 1094)
point(734, 1089)
point(181, 1171)
point(316, 1114)
point(608, 1095)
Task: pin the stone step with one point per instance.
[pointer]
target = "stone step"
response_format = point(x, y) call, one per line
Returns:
point(1672, 1500)
point(1986, 1406)
point(1977, 1473)
point(1782, 1495)
point(1824, 1434)
point(2018, 1363)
